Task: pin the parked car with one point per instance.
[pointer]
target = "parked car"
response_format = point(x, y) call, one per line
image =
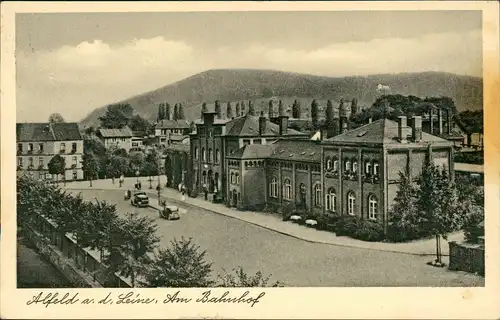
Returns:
point(140, 199)
point(169, 213)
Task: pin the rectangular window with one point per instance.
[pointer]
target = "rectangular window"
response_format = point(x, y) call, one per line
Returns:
point(19, 148)
point(73, 147)
point(375, 168)
point(40, 147)
point(30, 161)
point(75, 161)
point(30, 147)
point(40, 162)
point(246, 142)
point(75, 175)
point(257, 141)
point(62, 148)
point(41, 175)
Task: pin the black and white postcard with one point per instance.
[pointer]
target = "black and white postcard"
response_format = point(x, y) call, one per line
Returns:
point(250, 160)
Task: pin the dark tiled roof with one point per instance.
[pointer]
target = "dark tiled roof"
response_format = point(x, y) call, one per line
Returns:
point(382, 131)
point(297, 150)
point(172, 124)
point(48, 132)
point(249, 126)
point(253, 151)
point(124, 132)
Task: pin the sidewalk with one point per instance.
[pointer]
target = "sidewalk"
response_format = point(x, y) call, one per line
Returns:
point(271, 222)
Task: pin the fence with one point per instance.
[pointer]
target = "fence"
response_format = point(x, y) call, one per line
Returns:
point(76, 263)
point(467, 257)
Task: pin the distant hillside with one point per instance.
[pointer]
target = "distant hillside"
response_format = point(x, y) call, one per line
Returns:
point(260, 85)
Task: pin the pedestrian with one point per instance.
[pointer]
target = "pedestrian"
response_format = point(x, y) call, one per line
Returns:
point(180, 186)
point(205, 190)
point(183, 194)
point(139, 186)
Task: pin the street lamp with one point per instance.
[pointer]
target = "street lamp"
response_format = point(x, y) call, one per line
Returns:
point(137, 175)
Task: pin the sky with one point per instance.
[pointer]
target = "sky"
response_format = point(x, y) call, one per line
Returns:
point(72, 63)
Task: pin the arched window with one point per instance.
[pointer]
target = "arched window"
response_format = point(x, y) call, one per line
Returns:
point(204, 177)
point(354, 166)
point(351, 200)
point(287, 194)
point(237, 176)
point(347, 165)
point(368, 167)
point(273, 188)
point(331, 200)
point(232, 178)
point(203, 154)
point(335, 165)
point(317, 195)
point(210, 155)
point(217, 155)
point(196, 153)
point(328, 163)
point(372, 207)
point(375, 168)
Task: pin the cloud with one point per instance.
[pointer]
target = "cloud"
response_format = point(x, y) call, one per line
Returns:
point(76, 79)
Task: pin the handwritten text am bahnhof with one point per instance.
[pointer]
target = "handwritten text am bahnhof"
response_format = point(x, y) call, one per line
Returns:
point(132, 298)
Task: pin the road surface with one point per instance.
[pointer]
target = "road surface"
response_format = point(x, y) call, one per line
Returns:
point(231, 243)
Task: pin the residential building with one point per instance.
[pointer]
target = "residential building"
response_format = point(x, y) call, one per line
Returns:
point(119, 138)
point(171, 131)
point(38, 143)
point(138, 140)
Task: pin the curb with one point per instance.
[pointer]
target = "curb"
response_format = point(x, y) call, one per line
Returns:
point(274, 230)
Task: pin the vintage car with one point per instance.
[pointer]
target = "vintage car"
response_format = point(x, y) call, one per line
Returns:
point(140, 199)
point(169, 213)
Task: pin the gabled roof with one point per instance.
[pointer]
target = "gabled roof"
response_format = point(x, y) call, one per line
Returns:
point(253, 151)
point(384, 132)
point(297, 150)
point(249, 126)
point(124, 132)
point(47, 131)
point(172, 124)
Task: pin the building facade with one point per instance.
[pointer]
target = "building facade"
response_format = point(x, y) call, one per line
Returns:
point(38, 143)
point(116, 138)
point(171, 131)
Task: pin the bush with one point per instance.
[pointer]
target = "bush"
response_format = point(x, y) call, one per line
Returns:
point(354, 227)
point(326, 222)
point(472, 225)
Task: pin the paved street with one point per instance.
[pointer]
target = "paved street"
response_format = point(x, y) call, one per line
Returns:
point(230, 242)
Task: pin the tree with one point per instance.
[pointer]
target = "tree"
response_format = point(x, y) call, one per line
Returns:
point(251, 108)
point(271, 109)
point(175, 116)
point(242, 108)
point(116, 166)
point(57, 166)
point(91, 166)
point(137, 123)
point(180, 265)
point(314, 114)
point(131, 244)
point(90, 131)
point(437, 203)
point(204, 109)
point(137, 161)
point(329, 114)
point(56, 118)
point(161, 111)
point(354, 107)
point(117, 116)
point(239, 278)
point(229, 110)
point(152, 165)
point(281, 108)
point(218, 109)
point(296, 109)
point(180, 112)
point(238, 112)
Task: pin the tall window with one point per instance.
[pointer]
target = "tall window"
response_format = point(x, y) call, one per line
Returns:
point(203, 154)
point(331, 200)
point(40, 162)
point(368, 167)
point(287, 194)
point(351, 200)
point(347, 165)
point(335, 165)
point(328, 164)
point(196, 153)
point(354, 166)
point(30, 147)
point(317, 195)
point(372, 207)
point(217, 155)
point(209, 154)
point(30, 161)
point(62, 148)
point(237, 176)
point(73, 147)
point(375, 168)
point(204, 177)
point(232, 178)
point(19, 147)
point(273, 188)
point(40, 147)
point(75, 161)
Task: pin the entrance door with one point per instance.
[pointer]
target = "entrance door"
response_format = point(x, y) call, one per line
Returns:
point(302, 195)
point(235, 198)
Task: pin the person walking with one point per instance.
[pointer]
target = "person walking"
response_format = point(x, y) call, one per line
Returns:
point(205, 191)
point(183, 193)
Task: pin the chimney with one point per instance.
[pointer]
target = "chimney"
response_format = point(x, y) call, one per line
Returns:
point(417, 128)
point(402, 129)
point(440, 121)
point(283, 123)
point(370, 120)
point(262, 123)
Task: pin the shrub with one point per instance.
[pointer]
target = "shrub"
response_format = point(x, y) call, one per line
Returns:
point(347, 225)
point(353, 226)
point(472, 226)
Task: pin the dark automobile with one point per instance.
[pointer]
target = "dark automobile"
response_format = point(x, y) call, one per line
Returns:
point(140, 199)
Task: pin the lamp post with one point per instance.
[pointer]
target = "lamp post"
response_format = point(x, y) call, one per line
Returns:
point(137, 175)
